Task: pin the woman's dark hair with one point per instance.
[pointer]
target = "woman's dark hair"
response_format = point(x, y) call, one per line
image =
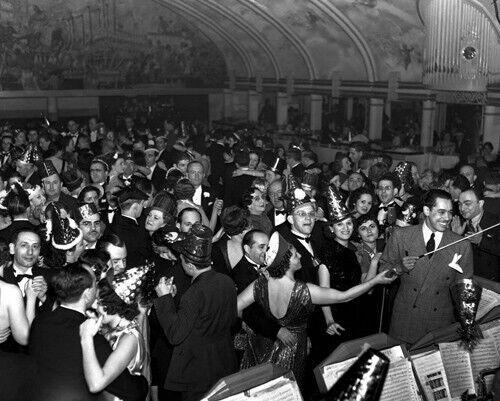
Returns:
point(234, 220)
point(70, 282)
point(363, 219)
point(96, 259)
point(85, 191)
point(247, 197)
point(17, 200)
point(143, 184)
point(184, 189)
point(113, 304)
point(356, 195)
point(172, 178)
point(279, 269)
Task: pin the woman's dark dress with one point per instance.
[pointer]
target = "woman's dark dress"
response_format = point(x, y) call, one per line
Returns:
point(295, 319)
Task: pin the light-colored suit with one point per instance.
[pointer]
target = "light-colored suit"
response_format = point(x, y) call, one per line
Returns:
point(423, 302)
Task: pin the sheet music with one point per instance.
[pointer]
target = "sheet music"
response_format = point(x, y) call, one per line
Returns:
point(458, 368)
point(485, 356)
point(394, 353)
point(331, 373)
point(489, 299)
point(494, 333)
point(432, 376)
point(400, 383)
point(280, 389)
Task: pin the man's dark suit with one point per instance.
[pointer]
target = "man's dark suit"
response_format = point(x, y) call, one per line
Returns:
point(235, 188)
point(158, 178)
point(216, 154)
point(135, 237)
point(272, 216)
point(55, 345)
point(423, 302)
point(486, 254)
point(243, 274)
point(200, 331)
point(207, 199)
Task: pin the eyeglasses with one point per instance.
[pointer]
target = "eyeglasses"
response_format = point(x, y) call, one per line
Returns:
point(303, 215)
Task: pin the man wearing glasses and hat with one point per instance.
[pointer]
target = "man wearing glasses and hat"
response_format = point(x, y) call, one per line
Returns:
point(89, 221)
point(201, 326)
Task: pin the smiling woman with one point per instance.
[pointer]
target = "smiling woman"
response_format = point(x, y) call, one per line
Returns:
point(253, 200)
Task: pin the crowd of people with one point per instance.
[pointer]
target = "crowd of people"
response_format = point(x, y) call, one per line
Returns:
point(143, 263)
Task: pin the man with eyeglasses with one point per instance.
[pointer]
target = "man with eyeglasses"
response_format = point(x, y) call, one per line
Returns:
point(299, 231)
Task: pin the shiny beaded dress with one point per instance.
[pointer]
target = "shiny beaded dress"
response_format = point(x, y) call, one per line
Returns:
point(262, 349)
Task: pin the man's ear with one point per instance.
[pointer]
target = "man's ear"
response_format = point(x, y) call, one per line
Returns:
point(289, 218)
point(246, 249)
point(11, 248)
point(427, 211)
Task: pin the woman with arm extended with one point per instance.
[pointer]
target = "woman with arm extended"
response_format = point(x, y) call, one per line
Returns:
point(290, 303)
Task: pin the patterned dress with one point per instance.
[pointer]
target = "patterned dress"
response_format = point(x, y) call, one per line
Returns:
point(262, 349)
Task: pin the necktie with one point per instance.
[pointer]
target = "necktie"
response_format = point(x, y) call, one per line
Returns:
point(470, 227)
point(307, 239)
point(431, 244)
point(278, 212)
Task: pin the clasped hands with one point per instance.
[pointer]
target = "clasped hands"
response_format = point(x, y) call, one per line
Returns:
point(166, 286)
point(36, 288)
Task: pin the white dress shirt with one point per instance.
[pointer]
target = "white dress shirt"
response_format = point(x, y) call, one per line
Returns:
point(438, 235)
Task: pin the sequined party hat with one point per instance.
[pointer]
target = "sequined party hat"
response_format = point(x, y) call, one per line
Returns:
point(363, 381)
point(65, 232)
point(403, 171)
point(196, 245)
point(337, 210)
point(32, 155)
point(129, 284)
point(466, 295)
point(295, 196)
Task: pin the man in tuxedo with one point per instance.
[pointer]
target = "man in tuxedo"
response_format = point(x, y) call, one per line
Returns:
point(238, 185)
point(157, 174)
point(277, 214)
point(203, 196)
point(423, 302)
point(216, 154)
point(25, 247)
point(299, 232)
point(201, 325)
point(126, 226)
point(187, 218)
point(113, 245)
point(485, 246)
point(55, 338)
point(387, 189)
point(247, 270)
point(293, 159)
point(52, 185)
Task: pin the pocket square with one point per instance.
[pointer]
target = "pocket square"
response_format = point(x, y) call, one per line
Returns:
point(454, 263)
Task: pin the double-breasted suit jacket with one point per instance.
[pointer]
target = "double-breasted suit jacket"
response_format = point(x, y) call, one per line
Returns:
point(423, 302)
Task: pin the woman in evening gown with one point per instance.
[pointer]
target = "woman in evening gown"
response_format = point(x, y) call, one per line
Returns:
point(290, 304)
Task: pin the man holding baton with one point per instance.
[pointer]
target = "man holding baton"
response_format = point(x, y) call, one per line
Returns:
point(423, 302)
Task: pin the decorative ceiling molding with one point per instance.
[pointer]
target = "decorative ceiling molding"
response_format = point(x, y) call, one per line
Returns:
point(236, 19)
point(287, 33)
point(353, 33)
point(184, 8)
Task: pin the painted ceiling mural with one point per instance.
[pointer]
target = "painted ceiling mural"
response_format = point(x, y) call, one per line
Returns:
point(66, 44)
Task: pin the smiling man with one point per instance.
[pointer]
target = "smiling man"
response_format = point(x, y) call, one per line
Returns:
point(423, 302)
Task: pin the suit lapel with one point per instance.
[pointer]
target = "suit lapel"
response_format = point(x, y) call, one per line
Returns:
point(438, 260)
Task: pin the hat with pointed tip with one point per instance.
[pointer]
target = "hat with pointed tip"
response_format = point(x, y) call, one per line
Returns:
point(47, 169)
point(129, 284)
point(196, 245)
point(65, 232)
point(337, 210)
point(32, 155)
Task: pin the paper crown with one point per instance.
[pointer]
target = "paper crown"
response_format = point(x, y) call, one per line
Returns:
point(403, 171)
point(105, 160)
point(72, 179)
point(65, 232)
point(310, 181)
point(85, 211)
point(129, 284)
point(47, 169)
point(337, 210)
point(277, 248)
point(196, 245)
point(364, 380)
point(32, 155)
point(277, 166)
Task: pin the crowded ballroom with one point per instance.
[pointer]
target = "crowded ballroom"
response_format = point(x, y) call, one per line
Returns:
point(249, 200)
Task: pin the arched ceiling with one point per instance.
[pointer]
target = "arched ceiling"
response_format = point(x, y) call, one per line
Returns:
point(311, 39)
